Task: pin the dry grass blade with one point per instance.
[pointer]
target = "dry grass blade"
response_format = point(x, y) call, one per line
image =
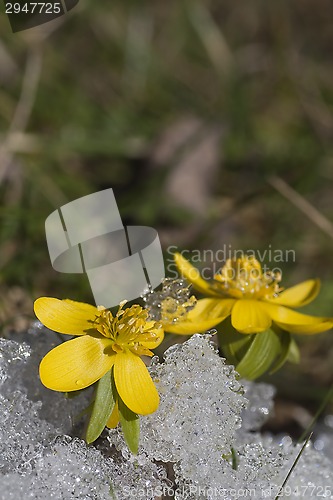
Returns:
point(302, 204)
point(211, 36)
point(24, 106)
point(138, 49)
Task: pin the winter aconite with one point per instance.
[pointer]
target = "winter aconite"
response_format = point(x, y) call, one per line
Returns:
point(103, 342)
point(251, 297)
point(253, 315)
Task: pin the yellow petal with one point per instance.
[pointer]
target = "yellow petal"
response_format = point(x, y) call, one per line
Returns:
point(65, 316)
point(296, 322)
point(298, 295)
point(206, 314)
point(76, 364)
point(307, 329)
point(134, 384)
point(193, 276)
point(114, 417)
point(152, 342)
point(250, 316)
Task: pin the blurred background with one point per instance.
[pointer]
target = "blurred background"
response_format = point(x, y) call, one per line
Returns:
point(212, 121)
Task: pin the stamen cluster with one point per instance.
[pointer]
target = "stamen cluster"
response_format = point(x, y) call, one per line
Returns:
point(244, 278)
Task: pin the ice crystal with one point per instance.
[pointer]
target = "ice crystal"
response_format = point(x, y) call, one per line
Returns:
point(203, 443)
point(21, 432)
point(260, 405)
point(323, 438)
point(263, 464)
point(11, 354)
point(171, 303)
point(23, 360)
point(68, 468)
point(198, 428)
point(201, 402)
point(36, 464)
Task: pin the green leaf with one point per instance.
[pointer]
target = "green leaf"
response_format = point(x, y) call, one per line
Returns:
point(234, 345)
point(293, 353)
point(103, 405)
point(260, 355)
point(130, 425)
point(285, 341)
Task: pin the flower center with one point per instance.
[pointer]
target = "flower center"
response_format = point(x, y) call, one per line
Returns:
point(128, 329)
point(244, 278)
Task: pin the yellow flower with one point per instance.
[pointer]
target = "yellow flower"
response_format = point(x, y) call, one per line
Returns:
point(103, 342)
point(251, 297)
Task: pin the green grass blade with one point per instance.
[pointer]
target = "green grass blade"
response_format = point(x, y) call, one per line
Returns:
point(321, 408)
point(293, 467)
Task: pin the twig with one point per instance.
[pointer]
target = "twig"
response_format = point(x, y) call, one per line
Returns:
point(302, 204)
